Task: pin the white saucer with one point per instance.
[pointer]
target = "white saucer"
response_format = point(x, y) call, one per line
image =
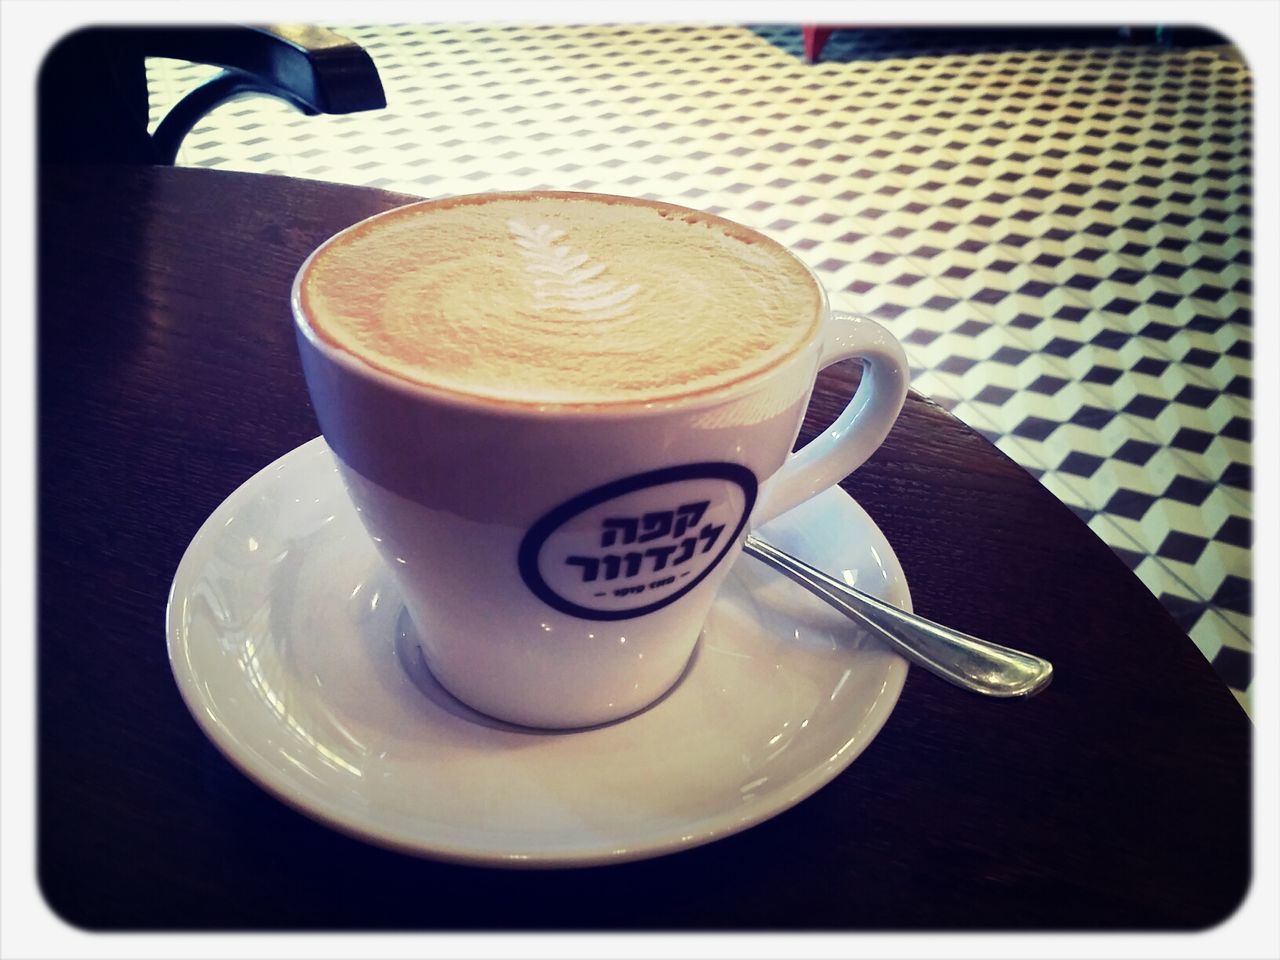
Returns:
point(290, 647)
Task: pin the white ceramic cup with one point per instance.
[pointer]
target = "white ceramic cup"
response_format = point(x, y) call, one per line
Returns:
point(558, 561)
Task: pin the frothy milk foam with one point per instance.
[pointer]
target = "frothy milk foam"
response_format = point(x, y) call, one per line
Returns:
point(560, 298)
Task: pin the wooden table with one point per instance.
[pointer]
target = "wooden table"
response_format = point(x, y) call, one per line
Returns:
point(168, 374)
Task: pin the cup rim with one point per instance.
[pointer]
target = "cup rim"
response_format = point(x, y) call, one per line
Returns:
point(458, 399)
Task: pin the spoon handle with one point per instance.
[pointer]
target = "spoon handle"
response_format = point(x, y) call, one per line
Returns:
point(966, 661)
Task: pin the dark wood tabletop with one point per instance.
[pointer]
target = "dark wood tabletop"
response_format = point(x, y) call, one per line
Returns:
point(168, 375)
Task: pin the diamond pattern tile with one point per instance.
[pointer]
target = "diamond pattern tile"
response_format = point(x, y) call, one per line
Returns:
point(1059, 233)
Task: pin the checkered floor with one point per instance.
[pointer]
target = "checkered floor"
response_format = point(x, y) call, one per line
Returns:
point(1060, 232)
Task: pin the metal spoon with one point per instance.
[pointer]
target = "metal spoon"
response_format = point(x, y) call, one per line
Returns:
point(976, 665)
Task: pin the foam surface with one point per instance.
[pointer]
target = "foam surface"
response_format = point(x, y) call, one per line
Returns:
point(560, 298)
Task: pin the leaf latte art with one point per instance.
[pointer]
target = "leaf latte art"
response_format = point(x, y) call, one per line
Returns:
point(563, 279)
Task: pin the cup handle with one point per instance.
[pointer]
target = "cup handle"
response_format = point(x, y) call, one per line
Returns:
point(860, 428)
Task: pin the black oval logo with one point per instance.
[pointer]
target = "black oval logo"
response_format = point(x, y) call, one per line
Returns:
point(635, 545)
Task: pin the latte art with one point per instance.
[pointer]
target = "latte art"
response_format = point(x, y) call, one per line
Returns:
point(564, 279)
point(560, 298)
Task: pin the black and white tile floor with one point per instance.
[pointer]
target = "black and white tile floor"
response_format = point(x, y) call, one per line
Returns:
point(1059, 233)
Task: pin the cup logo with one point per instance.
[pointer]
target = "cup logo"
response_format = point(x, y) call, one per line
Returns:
point(632, 546)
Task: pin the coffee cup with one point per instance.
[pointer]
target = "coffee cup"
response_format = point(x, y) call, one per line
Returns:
point(559, 414)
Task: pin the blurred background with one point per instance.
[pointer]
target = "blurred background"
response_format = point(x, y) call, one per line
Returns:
point(1057, 224)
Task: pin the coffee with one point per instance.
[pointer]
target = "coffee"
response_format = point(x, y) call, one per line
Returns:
point(560, 298)
point(557, 536)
